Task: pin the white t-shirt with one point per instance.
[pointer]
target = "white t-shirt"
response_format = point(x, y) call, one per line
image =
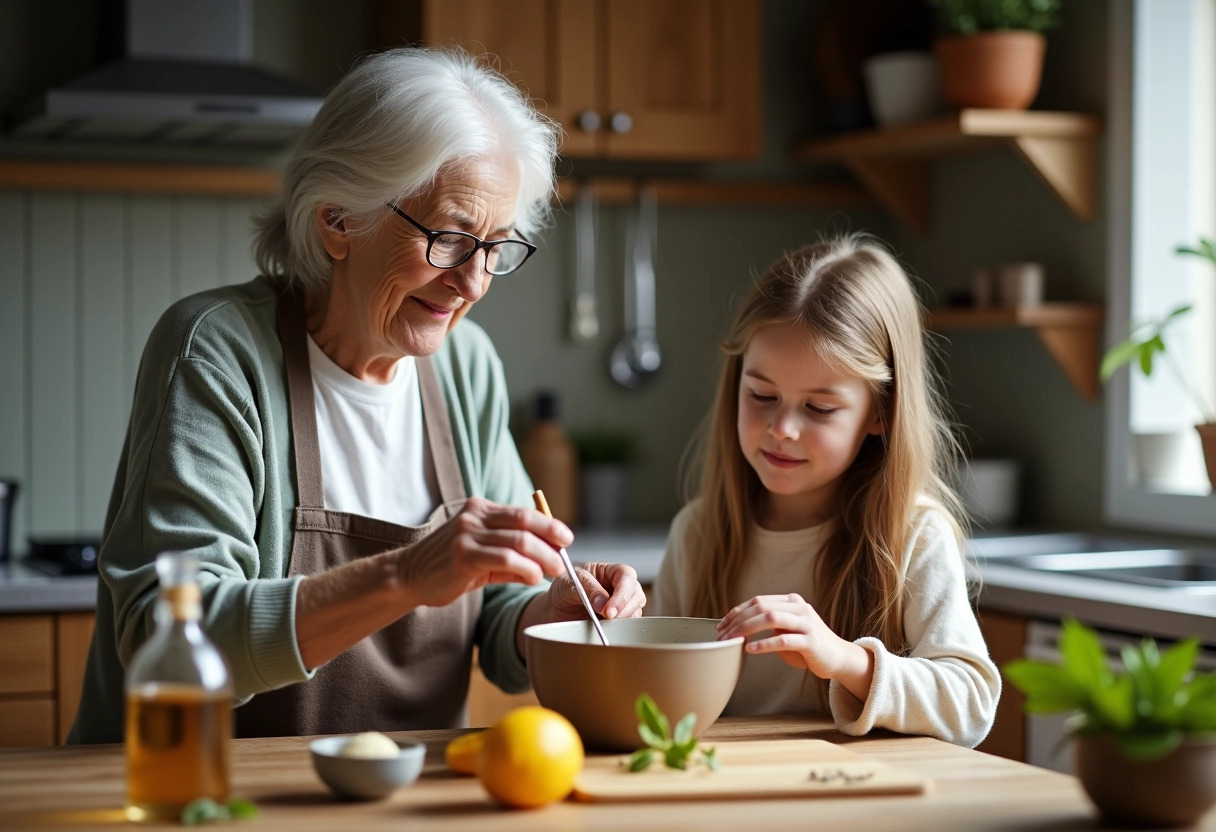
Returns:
point(375, 459)
point(946, 686)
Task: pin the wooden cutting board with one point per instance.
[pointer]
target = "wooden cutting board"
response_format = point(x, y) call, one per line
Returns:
point(755, 768)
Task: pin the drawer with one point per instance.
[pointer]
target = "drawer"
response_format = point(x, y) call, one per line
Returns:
point(26, 722)
point(27, 654)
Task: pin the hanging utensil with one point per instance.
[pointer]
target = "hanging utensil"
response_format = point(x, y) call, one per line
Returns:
point(542, 505)
point(636, 357)
point(584, 321)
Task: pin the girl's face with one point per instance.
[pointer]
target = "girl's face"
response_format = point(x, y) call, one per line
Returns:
point(800, 426)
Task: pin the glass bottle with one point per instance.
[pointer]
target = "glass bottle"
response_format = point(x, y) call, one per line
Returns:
point(179, 704)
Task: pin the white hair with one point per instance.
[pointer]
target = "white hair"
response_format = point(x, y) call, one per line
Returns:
point(382, 135)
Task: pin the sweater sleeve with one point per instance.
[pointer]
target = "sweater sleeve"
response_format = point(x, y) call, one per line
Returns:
point(503, 480)
point(195, 476)
point(947, 686)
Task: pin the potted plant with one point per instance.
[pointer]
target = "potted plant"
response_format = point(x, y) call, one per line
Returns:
point(1147, 340)
point(1145, 738)
point(604, 457)
point(991, 52)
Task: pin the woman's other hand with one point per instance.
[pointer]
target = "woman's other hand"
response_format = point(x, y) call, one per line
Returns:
point(801, 639)
point(612, 589)
point(485, 543)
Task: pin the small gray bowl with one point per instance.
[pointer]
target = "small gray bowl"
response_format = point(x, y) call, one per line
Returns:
point(360, 778)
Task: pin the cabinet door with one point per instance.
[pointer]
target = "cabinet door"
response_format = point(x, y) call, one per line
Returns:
point(686, 74)
point(74, 634)
point(546, 47)
point(1006, 638)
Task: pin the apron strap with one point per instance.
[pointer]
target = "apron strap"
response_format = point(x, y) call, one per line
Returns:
point(439, 434)
point(293, 335)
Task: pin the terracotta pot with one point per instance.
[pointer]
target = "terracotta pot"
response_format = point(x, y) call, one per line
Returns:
point(1000, 70)
point(1174, 790)
point(1207, 435)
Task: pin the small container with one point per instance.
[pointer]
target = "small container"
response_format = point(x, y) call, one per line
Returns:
point(1020, 284)
point(179, 705)
point(903, 87)
point(365, 778)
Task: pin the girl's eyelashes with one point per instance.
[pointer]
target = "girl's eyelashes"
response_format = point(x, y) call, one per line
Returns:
point(762, 398)
point(822, 411)
point(766, 399)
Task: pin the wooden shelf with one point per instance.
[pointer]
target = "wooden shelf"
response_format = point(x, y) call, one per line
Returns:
point(235, 181)
point(1072, 333)
point(894, 163)
point(139, 178)
point(709, 192)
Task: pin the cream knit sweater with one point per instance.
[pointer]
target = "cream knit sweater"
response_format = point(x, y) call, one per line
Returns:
point(945, 686)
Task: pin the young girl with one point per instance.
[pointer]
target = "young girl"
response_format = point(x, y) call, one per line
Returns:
point(825, 531)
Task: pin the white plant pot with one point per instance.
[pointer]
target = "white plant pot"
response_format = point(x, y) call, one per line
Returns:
point(903, 87)
point(990, 491)
point(1169, 461)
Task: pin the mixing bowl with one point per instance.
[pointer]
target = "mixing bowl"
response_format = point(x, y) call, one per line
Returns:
point(677, 661)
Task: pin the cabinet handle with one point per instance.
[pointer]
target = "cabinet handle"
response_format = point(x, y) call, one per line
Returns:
point(588, 121)
point(621, 122)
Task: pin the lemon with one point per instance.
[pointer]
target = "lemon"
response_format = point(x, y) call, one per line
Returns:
point(461, 753)
point(530, 757)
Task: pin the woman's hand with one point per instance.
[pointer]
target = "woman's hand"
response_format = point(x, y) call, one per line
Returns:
point(485, 543)
point(801, 639)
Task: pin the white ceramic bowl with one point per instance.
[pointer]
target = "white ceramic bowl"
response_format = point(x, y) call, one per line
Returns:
point(678, 662)
point(361, 778)
point(903, 87)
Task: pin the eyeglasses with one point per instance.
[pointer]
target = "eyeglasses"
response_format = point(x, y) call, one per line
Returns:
point(448, 249)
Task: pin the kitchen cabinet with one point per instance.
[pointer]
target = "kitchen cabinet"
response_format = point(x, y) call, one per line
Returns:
point(42, 659)
point(1005, 635)
point(626, 79)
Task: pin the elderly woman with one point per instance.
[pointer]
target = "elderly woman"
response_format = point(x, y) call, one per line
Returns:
point(332, 448)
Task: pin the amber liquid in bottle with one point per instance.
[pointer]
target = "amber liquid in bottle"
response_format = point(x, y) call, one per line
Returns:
point(179, 705)
point(177, 748)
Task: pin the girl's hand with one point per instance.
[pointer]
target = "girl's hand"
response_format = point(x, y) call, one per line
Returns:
point(800, 639)
point(485, 543)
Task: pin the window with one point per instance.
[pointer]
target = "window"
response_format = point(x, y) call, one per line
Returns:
point(1162, 194)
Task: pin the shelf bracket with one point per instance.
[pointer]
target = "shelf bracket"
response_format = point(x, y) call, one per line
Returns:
point(900, 183)
point(1075, 349)
point(1066, 164)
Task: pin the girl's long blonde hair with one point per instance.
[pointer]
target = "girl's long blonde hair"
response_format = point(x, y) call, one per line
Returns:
point(863, 318)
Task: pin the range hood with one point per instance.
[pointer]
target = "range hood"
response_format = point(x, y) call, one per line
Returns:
point(187, 78)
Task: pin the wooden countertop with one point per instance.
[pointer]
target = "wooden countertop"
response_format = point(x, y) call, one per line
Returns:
point(81, 788)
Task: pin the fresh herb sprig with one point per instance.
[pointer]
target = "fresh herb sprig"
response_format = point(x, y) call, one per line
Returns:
point(677, 750)
point(206, 810)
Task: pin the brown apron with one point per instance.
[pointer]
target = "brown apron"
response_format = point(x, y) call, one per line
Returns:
point(412, 674)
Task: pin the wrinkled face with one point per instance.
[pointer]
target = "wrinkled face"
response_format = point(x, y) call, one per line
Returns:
point(800, 425)
point(403, 304)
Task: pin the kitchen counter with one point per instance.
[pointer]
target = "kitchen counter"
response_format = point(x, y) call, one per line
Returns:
point(82, 788)
point(23, 589)
point(1168, 613)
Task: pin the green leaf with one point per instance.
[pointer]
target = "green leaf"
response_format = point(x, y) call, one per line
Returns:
point(709, 756)
point(1048, 688)
point(1149, 746)
point(1146, 358)
point(650, 715)
point(1084, 659)
point(243, 809)
point(1118, 355)
point(652, 739)
point(684, 728)
point(1176, 312)
point(1172, 668)
point(1115, 702)
point(675, 757)
point(641, 759)
point(203, 810)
